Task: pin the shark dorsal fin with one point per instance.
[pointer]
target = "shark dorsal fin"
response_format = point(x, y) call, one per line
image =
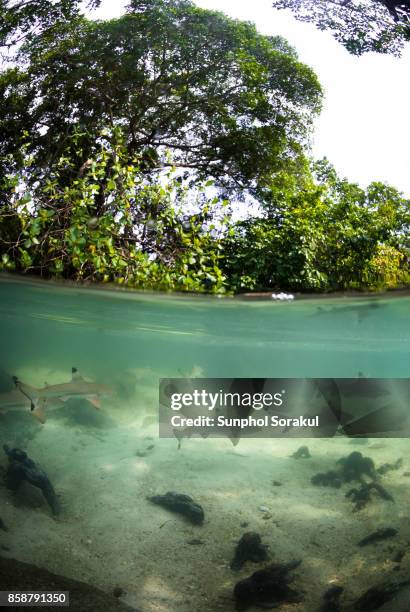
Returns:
point(75, 375)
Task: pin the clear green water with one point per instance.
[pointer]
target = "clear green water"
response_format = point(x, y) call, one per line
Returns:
point(102, 467)
point(105, 331)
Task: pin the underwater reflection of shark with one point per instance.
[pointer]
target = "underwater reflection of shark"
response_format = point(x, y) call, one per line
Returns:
point(54, 396)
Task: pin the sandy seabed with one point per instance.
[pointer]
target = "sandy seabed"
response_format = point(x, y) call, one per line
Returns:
point(104, 465)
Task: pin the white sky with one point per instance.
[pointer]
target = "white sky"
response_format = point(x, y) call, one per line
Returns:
point(364, 128)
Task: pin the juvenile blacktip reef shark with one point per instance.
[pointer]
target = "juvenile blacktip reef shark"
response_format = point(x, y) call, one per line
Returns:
point(55, 395)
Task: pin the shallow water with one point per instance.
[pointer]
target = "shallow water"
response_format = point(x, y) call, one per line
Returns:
point(104, 463)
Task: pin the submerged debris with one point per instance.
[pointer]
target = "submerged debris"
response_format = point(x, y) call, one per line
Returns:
point(355, 466)
point(380, 594)
point(387, 467)
point(267, 587)
point(22, 468)
point(327, 479)
point(352, 467)
point(377, 536)
point(361, 497)
point(302, 453)
point(183, 504)
point(331, 599)
point(249, 548)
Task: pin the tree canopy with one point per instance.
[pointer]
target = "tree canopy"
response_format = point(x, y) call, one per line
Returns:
point(151, 234)
point(360, 25)
point(126, 144)
point(321, 232)
point(23, 19)
point(226, 102)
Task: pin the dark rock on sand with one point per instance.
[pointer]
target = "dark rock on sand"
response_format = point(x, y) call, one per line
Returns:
point(388, 467)
point(183, 504)
point(267, 588)
point(302, 453)
point(375, 597)
point(327, 479)
point(249, 548)
point(355, 466)
point(331, 599)
point(363, 495)
point(21, 468)
point(377, 536)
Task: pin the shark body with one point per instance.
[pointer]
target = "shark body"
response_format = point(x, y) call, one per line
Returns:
point(54, 396)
